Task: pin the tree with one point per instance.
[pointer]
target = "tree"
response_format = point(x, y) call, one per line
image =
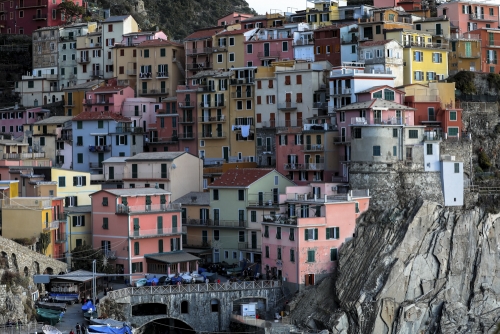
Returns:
point(70, 10)
point(83, 256)
point(43, 242)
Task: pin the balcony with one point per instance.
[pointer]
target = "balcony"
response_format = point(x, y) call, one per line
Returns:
point(186, 120)
point(128, 209)
point(138, 234)
point(249, 246)
point(26, 4)
point(22, 156)
point(287, 106)
point(483, 17)
point(154, 91)
point(310, 166)
point(199, 66)
point(215, 104)
point(40, 17)
point(199, 51)
point(469, 55)
point(269, 54)
point(242, 81)
point(100, 148)
point(440, 46)
point(132, 72)
point(160, 75)
point(464, 36)
point(100, 101)
point(83, 60)
point(96, 74)
point(312, 148)
point(302, 42)
point(213, 119)
point(213, 135)
point(49, 226)
point(187, 105)
point(186, 136)
point(164, 140)
point(219, 223)
point(95, 165)
point(320, 105)
point(61, 238)
point(146, 76)
point(242, 95)
point(129, 129)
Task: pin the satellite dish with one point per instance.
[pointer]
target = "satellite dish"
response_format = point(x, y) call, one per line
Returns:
point(174, 166)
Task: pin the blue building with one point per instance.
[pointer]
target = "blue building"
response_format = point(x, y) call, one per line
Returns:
point(98, 136)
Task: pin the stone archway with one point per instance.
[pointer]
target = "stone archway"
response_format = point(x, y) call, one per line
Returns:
point(14, 262)
point(49, 271)
point(26, 272)
point(36, 268)
point(4, 261)
point(161, 325)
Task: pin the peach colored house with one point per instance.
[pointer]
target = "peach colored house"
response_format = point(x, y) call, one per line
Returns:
point(233, 18)
point(107, 98)
point(470, 15)
point(269, 45)
point(136, 223)
point(301, 241)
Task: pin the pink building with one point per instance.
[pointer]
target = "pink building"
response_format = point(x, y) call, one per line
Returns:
point(13, 118)
point(233, 18)
point(142, 230)
point(136, 38)
point(301, 242)
point(107, 98)
point(470, 15)
point(269, 45)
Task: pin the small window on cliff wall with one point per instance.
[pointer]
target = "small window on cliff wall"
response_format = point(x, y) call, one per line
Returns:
point(185, 307)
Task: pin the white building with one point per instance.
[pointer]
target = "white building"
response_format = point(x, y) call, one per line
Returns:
point(303, 43)
point(349, 37)
point(37, 90)
point(452, 178)
point(383, 57)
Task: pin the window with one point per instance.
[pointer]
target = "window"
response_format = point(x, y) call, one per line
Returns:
point(418, 75)
point(429, 149)
point(253, 216)
point(219, 58)
point(357, 133)
point(163, 52)
point(278, 232)
point(453, 115)
point(105, 225)
point(104, 201)
point(311, 234)
point(395, 133)
point(31, 84)
point(79, 158)
point(457, 167)
point(394, 151)
point(291, 236)
point(100, 124)
point(311, 254)
point(413, 134)
point(62, 181)
point(267, 252)
point(342, 116)
point(137, 267)
point(266, 231)
point(437, 57)
point(239, 105)
point(299, 79)
point(241, 236)
point(430, 76)
point(146, 53)
point(249, 48)
point(78, 221)
point(279, 253)
point(216, 235)
point(287, 80)
point(378, 30)
point(334, 254)
point(388, 95)
point(241, 195)
point(376, 151)
point(353, 48)
point(231, 57)
point(452, 132)
point(285, 46)
point(332, 233)
point(79, 181)
point(231, 41)
point(418, 56)
point(79, 124)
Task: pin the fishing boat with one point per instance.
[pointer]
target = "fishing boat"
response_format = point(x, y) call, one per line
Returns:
point(90, 315)
point(109, 329)
point(88, 306)
point(141, 282)
point(52, 306)
point(69, 298)
point(48, 316)
point(47, 329)
point(107, 322)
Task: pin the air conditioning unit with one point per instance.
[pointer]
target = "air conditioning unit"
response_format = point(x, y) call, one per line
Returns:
point(136, 37)
point(334, 188)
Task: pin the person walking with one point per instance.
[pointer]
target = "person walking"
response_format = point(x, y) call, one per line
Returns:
point(78, 328)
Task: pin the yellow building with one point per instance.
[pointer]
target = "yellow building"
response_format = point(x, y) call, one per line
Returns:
point(74, 95)
point(29, 217)
point(323, 12)
point(159, 68)
point(372, 28)
point(125, 59)
point(424, 59)
point(74, 186)
point(465, 53)
point(78, 228)
point(226, 116)
point(229, 48)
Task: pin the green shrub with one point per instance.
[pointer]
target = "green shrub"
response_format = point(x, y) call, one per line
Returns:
point(484, 160)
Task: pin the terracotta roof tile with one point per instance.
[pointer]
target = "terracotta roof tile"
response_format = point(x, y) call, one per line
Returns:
point(158, 42)
point(374, 43)
point(234, 32)
point(204, 33)
point(240, 177)
point(109, 89)
point(98, 115)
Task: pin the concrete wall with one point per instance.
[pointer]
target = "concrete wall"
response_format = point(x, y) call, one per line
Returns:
point(431, 156)
point(453, 183)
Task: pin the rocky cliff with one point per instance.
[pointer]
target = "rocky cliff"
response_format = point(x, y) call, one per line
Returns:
point(414, 269)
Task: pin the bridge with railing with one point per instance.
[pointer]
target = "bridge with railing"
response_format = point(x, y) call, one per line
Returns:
point(205, 307)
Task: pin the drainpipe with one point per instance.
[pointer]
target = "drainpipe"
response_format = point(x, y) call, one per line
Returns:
point(129, 250)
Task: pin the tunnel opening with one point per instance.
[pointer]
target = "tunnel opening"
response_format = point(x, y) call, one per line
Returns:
point(149, 309)
point(167, 326)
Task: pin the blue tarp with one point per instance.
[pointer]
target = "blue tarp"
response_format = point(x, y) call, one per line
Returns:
point(201, 270)
point(151, 280)
point(174, 279)
point(87, 306)
point(73, 295)
point(108, 329)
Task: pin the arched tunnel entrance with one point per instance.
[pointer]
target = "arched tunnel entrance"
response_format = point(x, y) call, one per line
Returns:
point(166, 326)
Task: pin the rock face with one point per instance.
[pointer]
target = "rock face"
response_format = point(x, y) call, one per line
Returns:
point(423, 269)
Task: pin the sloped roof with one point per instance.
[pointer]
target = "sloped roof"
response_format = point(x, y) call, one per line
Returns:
point(119, 18)
point(134, 191)
point(85, 85)
point(109, 89)
point(204, 33)
point(172, 257)
point(163, 156)
point(374, 88)
point(240, 177)
point(234, 32)
point(202, 198)
point(55, 120)
point(374, 104)
point(375, 43)
point(115, 160)
point(100, 115)
point(158, 42)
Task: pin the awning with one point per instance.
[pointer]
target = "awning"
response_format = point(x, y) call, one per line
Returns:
point(172, 257)
point(198, 251)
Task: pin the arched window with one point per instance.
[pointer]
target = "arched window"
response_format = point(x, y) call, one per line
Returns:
point(214, 304)
point(184, 307)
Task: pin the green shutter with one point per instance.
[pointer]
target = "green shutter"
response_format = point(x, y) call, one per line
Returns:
point(327, 233)
point(163, 171)
point(163, 199)
point(159, 224)
point(306, 234)
point(333, 254)
point(337, 232)
point(174, 224)
point(148, 200)
point(160, 246)
point(134, 171)
point(136, 224)
point(104, 201)
point(315, 234)
point(136, 248)
point(105, 223)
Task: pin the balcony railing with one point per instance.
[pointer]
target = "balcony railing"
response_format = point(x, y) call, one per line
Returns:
point(310, 166)
point(312, 148)
point(161, 75)
point(128, 129)
point(466, 36)
point(483, 17)
point(187, 119)
point(242, 81)
point(166, 140)
point(100, 148)
point(249, 245)
point(53, 225)
point(212, 119)
point(214, 104)
point(154, 91)
point(96, 73)
point(301, 42)
point(83, 60)
point(40, 17)
point(469, 55)
point(146, 75)
point(199, 66)
point(213, 135)
point(155, 232)
point(126, 209)
point(287, 106)
point(212, 222)
point(95, 165)
point(241, 94)
point(270, 54)
point(186, 136)
point(61, 238)
point(132, 72)
point(187, 105)
point(199, 51)
point(21, 156)
point(442, 46)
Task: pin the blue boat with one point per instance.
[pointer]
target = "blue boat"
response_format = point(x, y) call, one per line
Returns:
point(87, 306)
point(109, 329)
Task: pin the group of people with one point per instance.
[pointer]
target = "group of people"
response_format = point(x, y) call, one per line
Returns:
point(107, 289)
point(80, 329)
point(12, 323)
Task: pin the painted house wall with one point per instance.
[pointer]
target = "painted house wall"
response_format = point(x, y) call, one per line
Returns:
point(464, 20)
point(276, 39)
point(114, 99)
point(12, 120)
point(452, 178)
point(81, 192)
point(431, 156)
